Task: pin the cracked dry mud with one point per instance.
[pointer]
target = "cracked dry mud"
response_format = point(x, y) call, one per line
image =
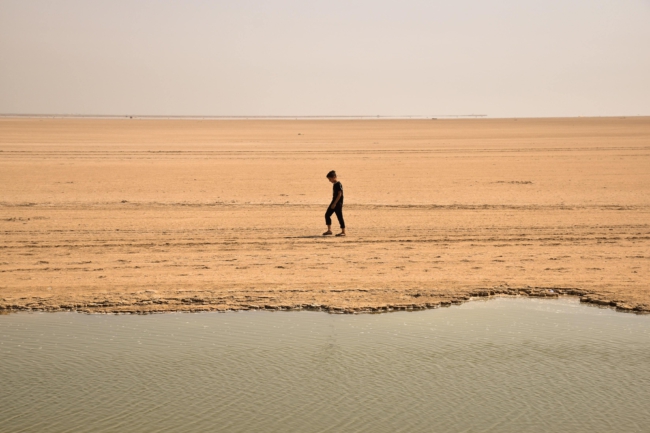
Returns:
point(138, 216)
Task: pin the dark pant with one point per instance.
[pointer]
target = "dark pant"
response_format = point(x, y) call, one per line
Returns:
point(339, 215)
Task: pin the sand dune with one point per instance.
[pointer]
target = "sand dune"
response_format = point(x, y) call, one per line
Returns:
point(154, 215)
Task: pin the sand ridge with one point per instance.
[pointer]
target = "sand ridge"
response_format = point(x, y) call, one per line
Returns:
point(108, 215)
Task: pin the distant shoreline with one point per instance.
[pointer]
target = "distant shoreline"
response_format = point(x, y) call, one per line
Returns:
point(360, 117)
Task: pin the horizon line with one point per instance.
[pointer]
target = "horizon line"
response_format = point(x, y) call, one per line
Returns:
point(307, 117)
point(162, 116)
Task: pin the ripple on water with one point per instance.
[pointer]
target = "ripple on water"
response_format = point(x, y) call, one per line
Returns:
point(500, 365)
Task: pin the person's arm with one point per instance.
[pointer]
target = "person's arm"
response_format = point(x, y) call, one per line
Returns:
point(336, 200)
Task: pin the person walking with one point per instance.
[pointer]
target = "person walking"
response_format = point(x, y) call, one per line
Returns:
point(336, 206)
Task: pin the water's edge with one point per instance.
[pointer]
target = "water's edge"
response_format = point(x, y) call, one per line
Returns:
point(150, 303)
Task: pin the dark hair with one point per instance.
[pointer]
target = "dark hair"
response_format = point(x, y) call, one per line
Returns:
point(331, 174)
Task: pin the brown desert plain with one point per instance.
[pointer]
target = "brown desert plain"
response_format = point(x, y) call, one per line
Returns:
point(151, 215)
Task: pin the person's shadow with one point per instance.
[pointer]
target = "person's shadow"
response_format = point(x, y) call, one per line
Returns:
point(305, 237)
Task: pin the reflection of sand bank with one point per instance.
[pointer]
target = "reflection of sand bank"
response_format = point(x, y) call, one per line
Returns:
point(149, 215)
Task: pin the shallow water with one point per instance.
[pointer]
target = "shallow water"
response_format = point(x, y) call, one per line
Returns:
point(506, 365)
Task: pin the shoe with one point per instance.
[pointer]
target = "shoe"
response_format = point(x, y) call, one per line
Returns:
point(327, 233)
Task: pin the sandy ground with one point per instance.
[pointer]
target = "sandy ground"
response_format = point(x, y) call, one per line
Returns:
point(140, 215)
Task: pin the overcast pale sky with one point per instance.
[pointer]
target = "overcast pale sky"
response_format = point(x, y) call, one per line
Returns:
point(503, 58)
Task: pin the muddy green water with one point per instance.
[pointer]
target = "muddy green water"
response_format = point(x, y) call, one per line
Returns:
point(504, 365)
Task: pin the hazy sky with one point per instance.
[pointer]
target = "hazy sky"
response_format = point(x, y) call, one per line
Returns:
point(502, 58)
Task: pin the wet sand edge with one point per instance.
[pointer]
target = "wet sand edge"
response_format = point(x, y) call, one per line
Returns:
point(150, 303)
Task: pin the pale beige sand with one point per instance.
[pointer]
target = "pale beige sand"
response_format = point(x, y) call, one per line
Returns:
point(154, 215)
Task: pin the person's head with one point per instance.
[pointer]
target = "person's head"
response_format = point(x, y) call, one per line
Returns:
point(331, 176)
